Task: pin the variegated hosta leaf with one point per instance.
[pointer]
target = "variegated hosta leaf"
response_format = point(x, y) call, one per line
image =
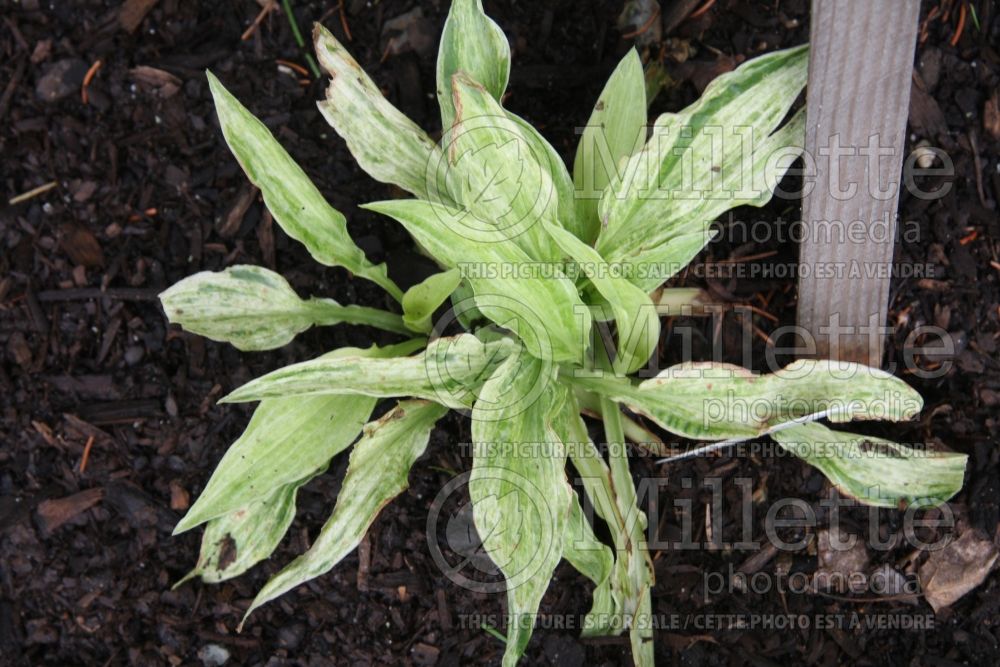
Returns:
point(616, 130)
point(287, 439)
point(293, 200)
point(594, 560)
point(497, 174)
point(550, 160)
point(612, 492)
point(256, 309)
point(378, 471)
point(876, 471)
point(463, 305)
point(634, 573)
point(449, 371)
point(635, 315)
point(545, 312)
point(652, 265)
point(387, 144)
point(420, 301)
point(713, 401)
point(471, 42)
point(716, 154)
point(520, 498)
point(235, 542)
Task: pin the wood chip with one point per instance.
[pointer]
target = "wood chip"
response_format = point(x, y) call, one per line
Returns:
point(180, 500)
point(959, 567)
point(233, 219)
point(54, 513)
point(80, 245)
point(843, 563)
point(133, 12)
point(991, 115)
point(162, 83)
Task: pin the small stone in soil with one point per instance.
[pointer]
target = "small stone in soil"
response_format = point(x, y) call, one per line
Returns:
point(60, 80)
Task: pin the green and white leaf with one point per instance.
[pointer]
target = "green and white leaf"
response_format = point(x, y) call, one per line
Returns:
point(390, 147)
point(634, 312)
point(377, 472)
point(520, 498)
point(616, 130)
point(449, 372)
point(472, 43)
point(613, 495)
point(235, 542)
point(256, 309)
point(498, 174)
point(550, 160)
point(287, 440)
point(716, 154)
point(421, 300)
point(296, 204)
point(594, 560)
point(876, 471)
point(633, 575)
point(547, 314)
point(715, 401)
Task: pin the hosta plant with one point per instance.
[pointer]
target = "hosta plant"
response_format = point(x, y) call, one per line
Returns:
point(537, 262)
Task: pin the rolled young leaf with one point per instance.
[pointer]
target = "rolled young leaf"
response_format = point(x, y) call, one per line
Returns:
point(238, 540)
point(716, 154)
point(472, 43)
point(498, 174)
point(520, 498)
point(876, 471)
point(546, 312)
point(256, 309)
point(377, 472)
point(616, 129)
point(635, 315)
point(550, 160)
point(421, 300)
point(390, 147)
point(293, 200)
point(449, 372)
point(715, 401)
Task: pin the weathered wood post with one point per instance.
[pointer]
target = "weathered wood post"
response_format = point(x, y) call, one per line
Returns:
point(860, 68)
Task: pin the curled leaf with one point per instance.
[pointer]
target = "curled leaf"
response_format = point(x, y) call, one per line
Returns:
point(520, 498)
point(420, 301)
point(616, 129)
point(471, 42)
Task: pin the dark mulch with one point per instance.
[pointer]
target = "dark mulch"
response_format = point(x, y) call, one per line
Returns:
point(147, 193)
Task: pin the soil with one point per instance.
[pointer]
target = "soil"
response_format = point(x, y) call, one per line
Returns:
point(110, 424)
